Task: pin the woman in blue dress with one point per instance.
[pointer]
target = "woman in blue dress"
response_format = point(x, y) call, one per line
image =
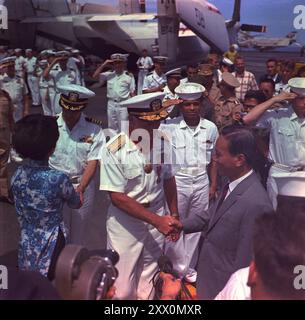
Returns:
point(39, 194)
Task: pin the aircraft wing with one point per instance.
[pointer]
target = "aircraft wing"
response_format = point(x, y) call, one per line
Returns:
point(93, 18)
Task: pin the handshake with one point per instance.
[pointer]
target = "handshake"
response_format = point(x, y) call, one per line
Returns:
point(170, 226)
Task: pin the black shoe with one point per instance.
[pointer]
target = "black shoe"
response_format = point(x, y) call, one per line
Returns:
point(36, 105)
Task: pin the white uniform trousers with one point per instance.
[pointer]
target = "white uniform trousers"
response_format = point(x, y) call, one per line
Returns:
point(76, 220)
point(141, 75)
point(46, 102)
point(18, 111)
point(193, 198)
point(116, 115)
point(139, 245)
point(52, 95)
point(33, 83)
point(271, 184)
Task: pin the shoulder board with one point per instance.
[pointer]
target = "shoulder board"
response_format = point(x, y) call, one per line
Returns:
point(150, 73)
point(117, 144)
point(95, 121)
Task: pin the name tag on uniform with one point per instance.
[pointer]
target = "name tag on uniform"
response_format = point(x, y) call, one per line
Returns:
point(86, 139)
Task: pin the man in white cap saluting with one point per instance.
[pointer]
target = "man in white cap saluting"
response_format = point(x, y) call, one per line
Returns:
point(30, 67)
point(77, 153)
point(63, 77)
point(120, 86)
point(139, 183)
point(155, 81)
point(44, 89)
point(15, 86)
point(287, 131)
point(193, 140)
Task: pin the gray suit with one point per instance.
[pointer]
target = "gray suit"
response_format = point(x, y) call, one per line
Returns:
point(227, 235)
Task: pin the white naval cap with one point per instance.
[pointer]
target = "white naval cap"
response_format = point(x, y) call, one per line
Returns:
point(6, 62)
point(297, 85)
point(119, 57)
point(174, 73)
point(227, 62)
point(28, 50)
point(74, 97)
point(18, 50)
point(43, 62)
point(190, 91)
point(149, 106)
point(290, 184)
point(62, 53)
point(160, 59)
point(75, 51)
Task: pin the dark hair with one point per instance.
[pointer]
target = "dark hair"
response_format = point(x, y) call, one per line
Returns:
point(290, 65)
point(35, 136)
point(257, 95)
point(271, 60)
point(279, 247)
point(242, 140)
point(267, 79)
point(192, 65)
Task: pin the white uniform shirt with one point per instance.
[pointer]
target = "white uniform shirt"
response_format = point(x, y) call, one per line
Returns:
point(65, 77)
point(190, 148)
point(236, 288)
point(74, 148)
point(123, 171)
point(169, 96)
point(119, 87)
point(15, 87)
point(287, 136)
point(19, 64)
point(145, 63)
point(52, 75)
point(30, 65)
point(153, 80)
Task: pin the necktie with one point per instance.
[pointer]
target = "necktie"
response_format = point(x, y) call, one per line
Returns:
point(223, 195)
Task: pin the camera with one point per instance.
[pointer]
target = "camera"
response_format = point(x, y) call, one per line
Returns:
point(85, 275)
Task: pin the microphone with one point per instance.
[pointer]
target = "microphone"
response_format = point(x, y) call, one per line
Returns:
point(165, 265)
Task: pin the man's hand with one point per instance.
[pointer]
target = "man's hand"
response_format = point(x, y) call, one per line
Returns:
point(81, 190)
point(165, 224)
point(212, 192)
point(171, 286)
point(283, 96)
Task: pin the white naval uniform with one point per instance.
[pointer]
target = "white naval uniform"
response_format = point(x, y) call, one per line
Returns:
point(19, 66)
point(51, 87)
point(144, 64)
point(139, 244)
point(171, 96)
point(73, 150)
point(44, 94)
point(153, 80)
point(192, 151)
point(72, 65)
point(287, 144)
point(17, 89)
point(62, 78)
point(119, 88)
point(33, 81)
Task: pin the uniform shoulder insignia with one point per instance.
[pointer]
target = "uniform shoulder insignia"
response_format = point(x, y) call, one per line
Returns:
point(150, 73)
point(117, 144)
point(95, 121)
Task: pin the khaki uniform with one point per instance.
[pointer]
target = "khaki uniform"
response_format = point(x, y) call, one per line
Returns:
point(225, 109)
point(6, 114)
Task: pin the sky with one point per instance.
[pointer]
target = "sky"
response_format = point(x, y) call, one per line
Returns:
point(277, 15)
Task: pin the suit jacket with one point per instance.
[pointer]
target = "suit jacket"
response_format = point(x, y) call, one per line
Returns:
point(227, 235)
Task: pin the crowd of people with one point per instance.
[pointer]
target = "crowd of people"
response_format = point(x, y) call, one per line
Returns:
point(189, 164)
